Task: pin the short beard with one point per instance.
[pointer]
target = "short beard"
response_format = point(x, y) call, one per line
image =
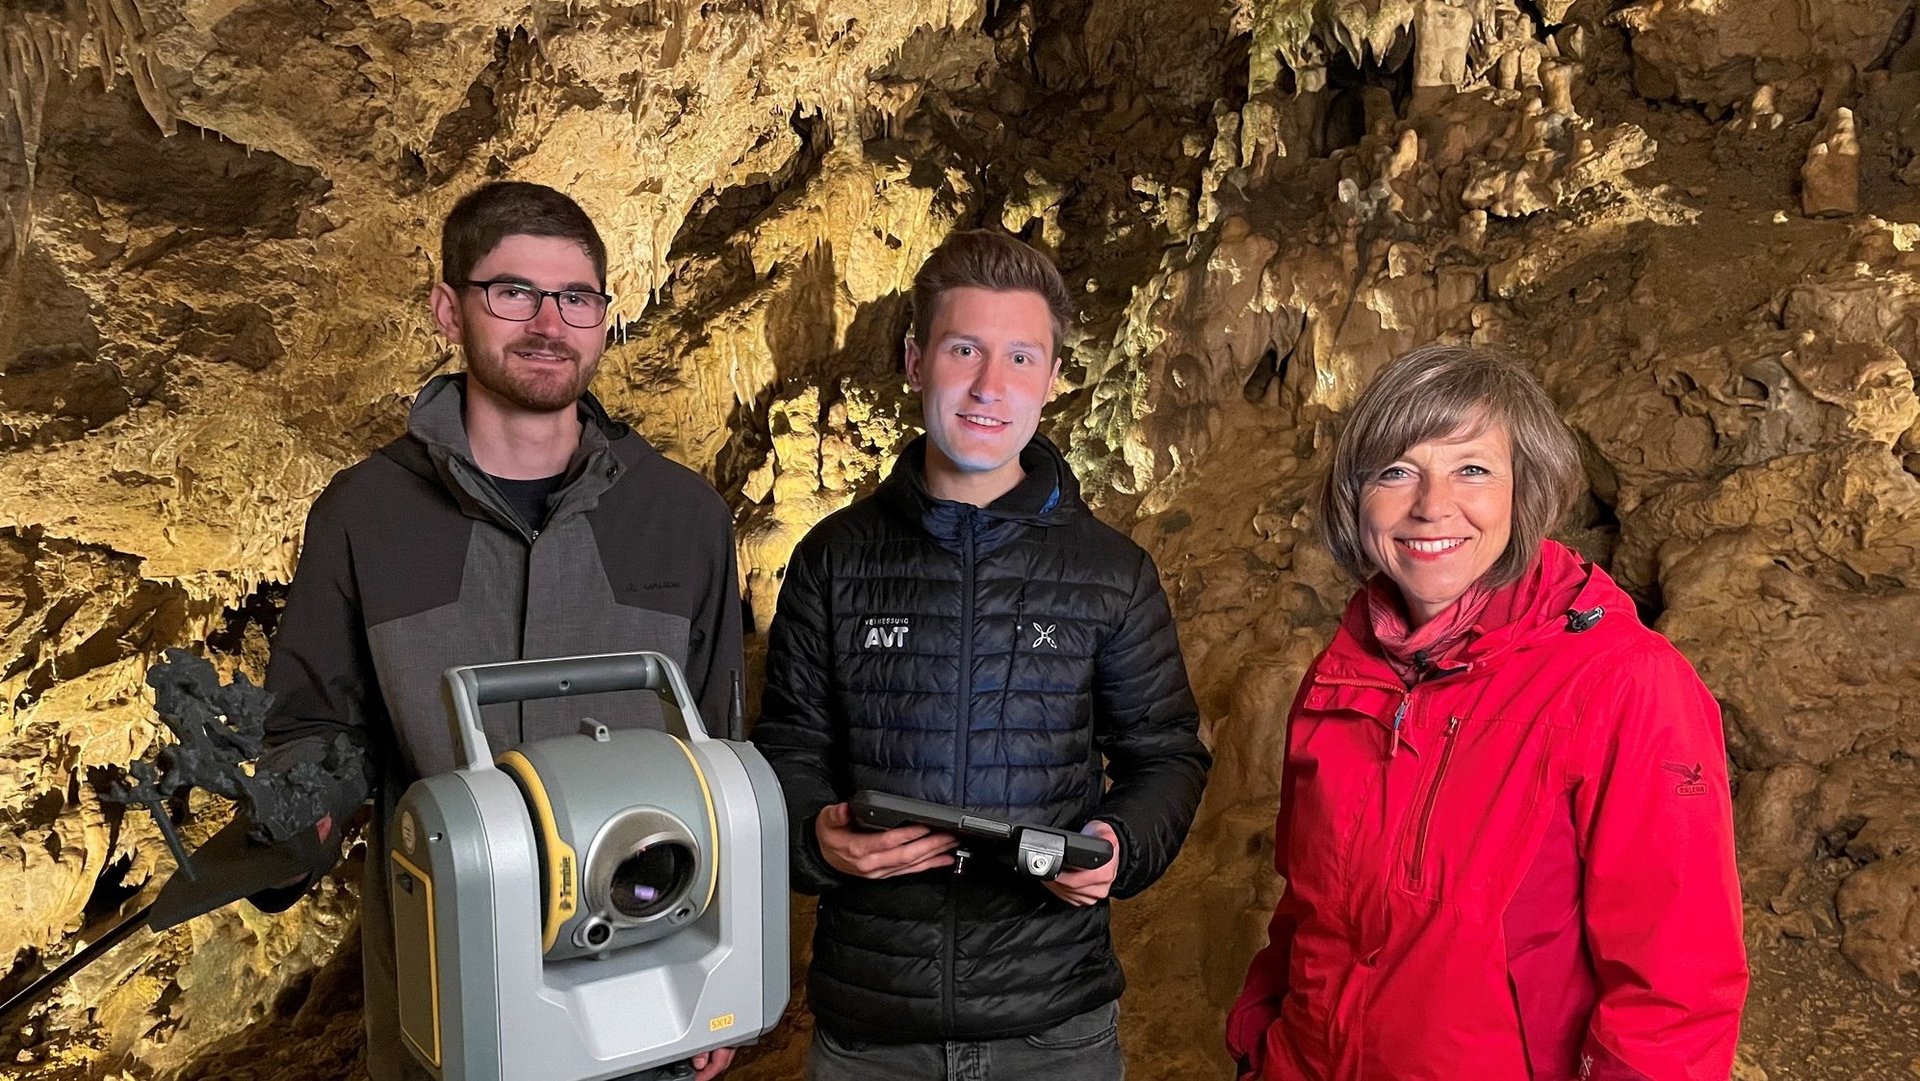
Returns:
point(550, 395)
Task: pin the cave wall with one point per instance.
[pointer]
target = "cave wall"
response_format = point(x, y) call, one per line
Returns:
point(1695, 218)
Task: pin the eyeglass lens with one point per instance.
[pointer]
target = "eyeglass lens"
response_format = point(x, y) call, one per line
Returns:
point(511, 300)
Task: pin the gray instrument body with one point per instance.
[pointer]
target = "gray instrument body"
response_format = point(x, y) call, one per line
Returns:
point(590, 906)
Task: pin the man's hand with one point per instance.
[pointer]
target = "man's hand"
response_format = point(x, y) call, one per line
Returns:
point(1082, 888)
point(865, 854)
point(708, 1065)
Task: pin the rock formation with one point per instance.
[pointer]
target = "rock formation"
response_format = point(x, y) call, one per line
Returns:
point(218, 227)
point(1830, 179)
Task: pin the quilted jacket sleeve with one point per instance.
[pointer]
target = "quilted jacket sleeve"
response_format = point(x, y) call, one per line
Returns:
point(1147, 726)
point(1661, 896)
point(796, 730)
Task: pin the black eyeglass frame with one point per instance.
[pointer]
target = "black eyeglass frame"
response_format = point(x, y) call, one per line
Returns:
point(486, 298)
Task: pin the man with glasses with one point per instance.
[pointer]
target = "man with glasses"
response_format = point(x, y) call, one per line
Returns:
point(514, 520)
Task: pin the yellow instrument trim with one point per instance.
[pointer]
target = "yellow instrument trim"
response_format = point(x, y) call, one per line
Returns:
point(562, 865)
point(713, 822)
point(433, 962)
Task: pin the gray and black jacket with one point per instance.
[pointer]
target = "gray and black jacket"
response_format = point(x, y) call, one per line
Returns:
point(990, 658)
point(413, 562)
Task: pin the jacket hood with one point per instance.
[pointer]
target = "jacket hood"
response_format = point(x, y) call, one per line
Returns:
point(1561, 593)
point(437, 421)
point(1049, 495)
point(436, 448)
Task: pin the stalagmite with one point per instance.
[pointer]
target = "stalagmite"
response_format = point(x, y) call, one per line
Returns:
point(1556, 82)
point(1442, 30)
point(1830, 178)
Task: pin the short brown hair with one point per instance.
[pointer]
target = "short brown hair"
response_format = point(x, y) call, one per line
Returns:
point(1436, 391)
point(988, 259)
point(489, 214)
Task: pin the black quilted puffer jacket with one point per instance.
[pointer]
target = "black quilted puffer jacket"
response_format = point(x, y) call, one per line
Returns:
point(989, 658)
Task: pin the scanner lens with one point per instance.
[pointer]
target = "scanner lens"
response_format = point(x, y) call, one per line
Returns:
point(651, 878)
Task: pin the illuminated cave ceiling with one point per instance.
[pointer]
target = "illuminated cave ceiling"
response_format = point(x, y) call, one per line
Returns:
point(1695, 216)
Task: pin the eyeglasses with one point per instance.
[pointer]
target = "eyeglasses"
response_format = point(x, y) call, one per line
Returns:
point(519, 302)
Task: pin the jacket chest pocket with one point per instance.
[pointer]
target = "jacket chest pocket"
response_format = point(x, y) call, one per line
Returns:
point(1045, 658)
point(1337, 771)
point(1478, 806)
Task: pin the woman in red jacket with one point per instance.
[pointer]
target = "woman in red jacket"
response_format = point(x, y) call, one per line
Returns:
point(1505, 824)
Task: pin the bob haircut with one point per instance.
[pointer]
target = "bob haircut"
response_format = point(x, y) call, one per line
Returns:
point(991, 260)
point(1436, 391)
point(493, 212)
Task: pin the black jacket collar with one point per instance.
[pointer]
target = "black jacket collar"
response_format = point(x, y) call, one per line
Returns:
point(1048, 495)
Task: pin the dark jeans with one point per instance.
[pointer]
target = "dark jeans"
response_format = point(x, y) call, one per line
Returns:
point(1081, 1048)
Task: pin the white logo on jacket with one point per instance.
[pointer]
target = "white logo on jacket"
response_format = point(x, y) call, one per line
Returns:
point(886, 637)
point(1043, 636)
point(885, 632)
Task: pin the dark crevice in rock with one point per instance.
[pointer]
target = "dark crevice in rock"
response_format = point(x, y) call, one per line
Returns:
point(148, 619)
point(1001, 15)
point(1650, 603)
point(241, 334)
point(1837, 842)
point(112, 890)
point(1900, 55)
point(719, 216)
point(57, 381)
point(198, 181)
point(750, 444)
point(257, 613)
point(1266, 371)
point(1274, 365)
point(467, 127)
point(870, 356)
point(1361, 97)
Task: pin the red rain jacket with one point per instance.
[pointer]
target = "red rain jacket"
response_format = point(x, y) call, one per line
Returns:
point(1534, 881)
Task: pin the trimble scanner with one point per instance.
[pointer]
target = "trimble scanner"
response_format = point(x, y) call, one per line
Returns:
point(590, 906)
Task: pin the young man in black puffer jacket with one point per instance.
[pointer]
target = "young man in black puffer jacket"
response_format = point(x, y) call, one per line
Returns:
point(971, 635)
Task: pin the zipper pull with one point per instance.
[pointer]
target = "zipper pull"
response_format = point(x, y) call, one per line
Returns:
point(1399, 718)
point(1453, 725)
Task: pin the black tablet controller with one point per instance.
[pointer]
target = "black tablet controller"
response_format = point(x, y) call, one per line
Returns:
point(1040, 851)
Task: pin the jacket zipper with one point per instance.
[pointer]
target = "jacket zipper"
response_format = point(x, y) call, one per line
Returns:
point(966, 664)
point(510, 519)
point(965, 712)
point(1433, 797)
point(507, 517)
point(948, 950)
point(1399, 713)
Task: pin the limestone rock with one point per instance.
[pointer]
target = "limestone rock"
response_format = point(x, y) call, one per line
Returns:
point(1442, 33)
point(1795, 687)
point(1718, 53)
point(1880, 906)
point(1830, 179)
point(1774, 812)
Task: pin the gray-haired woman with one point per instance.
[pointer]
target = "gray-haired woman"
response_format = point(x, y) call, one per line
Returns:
point(1505, 822)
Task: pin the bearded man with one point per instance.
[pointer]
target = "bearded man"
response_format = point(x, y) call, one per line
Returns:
point(514, 520)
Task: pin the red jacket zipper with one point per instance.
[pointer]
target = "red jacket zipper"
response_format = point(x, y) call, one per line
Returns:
point(1433, 797)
